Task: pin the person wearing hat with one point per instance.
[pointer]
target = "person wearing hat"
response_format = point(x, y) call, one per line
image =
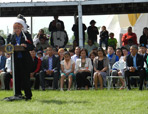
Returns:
point(92, 31)
point(22, 59)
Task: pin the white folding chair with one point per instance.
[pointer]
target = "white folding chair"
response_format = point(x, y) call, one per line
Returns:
point(119, 65)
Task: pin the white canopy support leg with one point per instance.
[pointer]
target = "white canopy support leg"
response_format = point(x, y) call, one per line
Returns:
point(80, 25)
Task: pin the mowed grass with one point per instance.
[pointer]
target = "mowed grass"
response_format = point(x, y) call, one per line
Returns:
point(78, 102)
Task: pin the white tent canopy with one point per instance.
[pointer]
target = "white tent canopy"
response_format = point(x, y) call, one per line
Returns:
point(118, 24)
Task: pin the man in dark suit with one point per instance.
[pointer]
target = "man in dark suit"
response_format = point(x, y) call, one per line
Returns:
point(135, 64)
point(22, 59)
point(50, 68)
point(2, 68)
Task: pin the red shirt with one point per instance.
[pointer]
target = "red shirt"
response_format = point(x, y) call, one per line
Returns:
point(127, 36)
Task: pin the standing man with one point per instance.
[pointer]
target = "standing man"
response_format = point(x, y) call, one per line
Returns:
point(50, 68)
point(22, 59)
point(52, 26)
point(75, 29)
point(135, 64)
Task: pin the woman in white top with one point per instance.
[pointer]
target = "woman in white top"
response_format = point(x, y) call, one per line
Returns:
point(67, 70)
point(120, 72)
point(83, 70)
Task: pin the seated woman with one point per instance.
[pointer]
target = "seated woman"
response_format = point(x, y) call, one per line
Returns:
point(61, 53)
point(67, 70)
point(83, 70)
point(100, 68)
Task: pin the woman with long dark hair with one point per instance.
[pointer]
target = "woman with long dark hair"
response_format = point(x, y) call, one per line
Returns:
point(100, 67)
point(83, 70)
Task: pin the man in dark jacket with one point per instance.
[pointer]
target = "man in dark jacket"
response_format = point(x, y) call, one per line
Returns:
point(135, 64)
point(50, 68)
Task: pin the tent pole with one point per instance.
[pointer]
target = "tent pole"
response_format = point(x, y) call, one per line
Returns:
point(80, 25)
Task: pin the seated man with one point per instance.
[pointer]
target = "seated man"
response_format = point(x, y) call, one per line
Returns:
point(135, 64)
point(2, 68)
point(50, 68)
point(35, 70)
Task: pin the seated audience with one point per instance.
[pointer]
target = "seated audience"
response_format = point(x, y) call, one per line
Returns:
point(35, 70)
point(71, 51)
point(67, 70)
point(112, 59)
point(50, 68)
point(2, 68)
point(36, 38)
point(40, 55)
point(8, 74)
point(90, 46)
point(43, 44)
point(61, 53)
point(83, 70)
point(100, 68)
point(92, 55)
point(77, 54)
point(120, 72)
point(135, 64)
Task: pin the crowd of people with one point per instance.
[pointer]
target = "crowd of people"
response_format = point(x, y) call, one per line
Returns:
point(76, 65)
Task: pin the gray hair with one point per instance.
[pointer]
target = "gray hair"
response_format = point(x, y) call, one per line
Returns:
point(134, 46)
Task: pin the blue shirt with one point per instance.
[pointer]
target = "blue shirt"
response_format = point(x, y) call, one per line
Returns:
point(110, 57)
point(134, 61)
point(74, 58)
point(50, 63)
point(18, 42)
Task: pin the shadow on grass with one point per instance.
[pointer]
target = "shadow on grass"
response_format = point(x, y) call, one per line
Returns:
point(60, 102)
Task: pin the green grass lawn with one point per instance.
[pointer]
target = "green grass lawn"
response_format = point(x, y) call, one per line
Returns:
point(78, 102)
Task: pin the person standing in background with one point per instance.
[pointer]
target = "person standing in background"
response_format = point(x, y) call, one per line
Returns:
point(92, 31)
point(104, 37)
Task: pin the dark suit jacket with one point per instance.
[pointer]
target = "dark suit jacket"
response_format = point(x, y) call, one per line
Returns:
point(55, 63)
point(26, 57)
point(139, 61)
point(2, 63)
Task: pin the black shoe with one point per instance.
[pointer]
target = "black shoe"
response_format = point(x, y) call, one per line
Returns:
point(27, 99)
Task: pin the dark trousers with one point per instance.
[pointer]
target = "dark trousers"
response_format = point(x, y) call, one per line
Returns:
point(37, 81)
point(7, 78)
point(55, 76)
point(81, 79)
point(105, 41)
point(22, 79)
point(139, 73)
